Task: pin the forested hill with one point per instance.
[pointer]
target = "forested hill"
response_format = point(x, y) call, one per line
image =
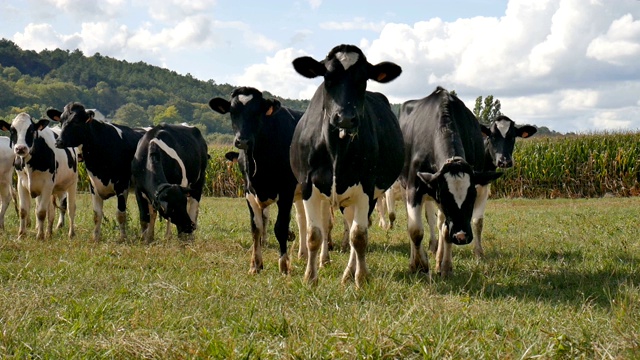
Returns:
point(135, 94)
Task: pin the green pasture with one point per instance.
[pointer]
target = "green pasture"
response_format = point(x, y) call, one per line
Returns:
point(561, 280)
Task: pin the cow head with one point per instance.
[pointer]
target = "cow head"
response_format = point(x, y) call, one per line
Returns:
point(454, 189)
point(345, 71)
point(170, 201)
point(248, 110)
point(74, 120)
point(500, 138)
point(23, 131)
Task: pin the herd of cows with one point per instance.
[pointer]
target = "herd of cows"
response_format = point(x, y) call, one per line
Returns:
point(344, 152)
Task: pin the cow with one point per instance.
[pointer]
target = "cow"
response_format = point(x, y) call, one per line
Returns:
point(499, 140)
point(444, 162)
point(263, 130)
point(7, 158)
point(346, 150)
point(44, 172)
point(386, 205)
point(107, 151)
point(168, 169)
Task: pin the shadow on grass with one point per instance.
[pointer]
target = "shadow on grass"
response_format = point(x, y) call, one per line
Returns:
point(553, 277)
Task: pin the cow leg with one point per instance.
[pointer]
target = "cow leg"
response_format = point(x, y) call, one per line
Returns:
point(121, 214)
point(430, 212)
point(51, 214)
point(281, 230)
point(149, 234)
point(98, 214)
point(477, 220)
point(328, 226)
point(358, 239)
point(145, 215)
point(301, 219)
point(381, 206)
point(71, 202)
point(418, 261)
point(444, 263)
point(24, 200)
point(316, 232)
point(5, 194)
point(43, 202)
point(265, 225)
point(193, 208)
point(63, 210)
point(347, 220)
point(257, 232)
point(390, 199)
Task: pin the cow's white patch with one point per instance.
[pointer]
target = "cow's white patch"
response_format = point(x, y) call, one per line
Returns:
point(21, 124)
point(503, 126)
point(244, 99)
point(347, 59)
point(171, 152)
point(458, 187)
point(116, 129)
point(101, 189)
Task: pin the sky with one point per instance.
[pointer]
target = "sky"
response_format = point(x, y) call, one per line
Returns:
point(569, 65)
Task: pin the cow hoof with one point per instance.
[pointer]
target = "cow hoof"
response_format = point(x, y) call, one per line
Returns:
point(285, 265)
point(479, 254)
point(291, 237)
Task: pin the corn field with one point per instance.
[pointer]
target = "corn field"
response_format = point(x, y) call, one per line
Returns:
point(579, 166)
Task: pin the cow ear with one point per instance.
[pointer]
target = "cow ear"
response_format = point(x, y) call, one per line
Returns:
point(526, 131)
point(272, 106)
point(309, 67)
point(430, 180)
point(54, 114)
point(220, 105)
point(384, 72)
point(485, 131)
point(232, 156)
point(5, 126)
point(42, 123)
point(485, 177)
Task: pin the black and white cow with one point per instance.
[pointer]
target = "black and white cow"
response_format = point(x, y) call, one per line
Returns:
point(347, 150)
point(7, 157)
point(444, 162)
point(44, 172)
point(169, 174)
point(107, 151)
point(263, 131)
point(499, 142)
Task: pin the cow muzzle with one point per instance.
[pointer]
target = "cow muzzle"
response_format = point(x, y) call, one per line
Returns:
point(504, 163)
point(242, 144)
point(21, 150)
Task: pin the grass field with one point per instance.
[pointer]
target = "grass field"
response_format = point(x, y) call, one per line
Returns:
point(561, 279)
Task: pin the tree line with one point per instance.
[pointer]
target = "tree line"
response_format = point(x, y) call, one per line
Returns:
point(133, 94)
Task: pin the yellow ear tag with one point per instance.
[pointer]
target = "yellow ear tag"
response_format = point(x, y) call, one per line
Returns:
point(269, 111)
point(381, 76)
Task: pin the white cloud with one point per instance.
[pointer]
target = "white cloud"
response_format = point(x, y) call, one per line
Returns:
point(172, 11)
point(278, 77)
point(620, 45)
point(314, 4)
point(358, 23)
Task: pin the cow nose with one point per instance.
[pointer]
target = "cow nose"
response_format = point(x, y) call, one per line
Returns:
point(20, 150)
point(504, 163)
point(345, 122)
point(460, 236)
point(241, 144)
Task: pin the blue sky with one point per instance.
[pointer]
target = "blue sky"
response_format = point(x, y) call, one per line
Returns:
point(570, 65)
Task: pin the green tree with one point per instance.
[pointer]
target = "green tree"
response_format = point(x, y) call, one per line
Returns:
point(132, 115)
point(170, 115)
point(487, 110)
